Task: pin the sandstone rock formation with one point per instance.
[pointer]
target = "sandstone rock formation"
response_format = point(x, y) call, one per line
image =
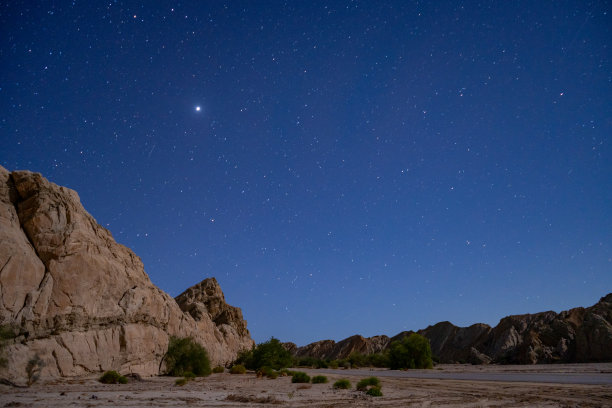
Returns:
point(576, 335)
point(83, 302)
point(450, 343)
point(330, 350)
point(206, 301)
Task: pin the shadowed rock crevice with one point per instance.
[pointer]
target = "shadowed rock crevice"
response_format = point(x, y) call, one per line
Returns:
point(82, 301)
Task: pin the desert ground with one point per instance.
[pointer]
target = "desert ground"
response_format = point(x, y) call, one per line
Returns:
point(226, 390)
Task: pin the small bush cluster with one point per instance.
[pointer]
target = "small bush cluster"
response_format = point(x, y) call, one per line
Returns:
point(319, 379)
point(342, 384)
point(368, 382)
point(187, 376)
point(300, 377)
point(258, 400)
point(285, 372)
point(310, 362)
point(218, 369)
point(112, 377)
point(181, 381)
point(374, 392)
point(186, 356)
point(238, 369)
point(267, 372)
point(371, 386)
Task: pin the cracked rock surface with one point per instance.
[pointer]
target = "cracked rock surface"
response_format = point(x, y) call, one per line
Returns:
point(83, 302)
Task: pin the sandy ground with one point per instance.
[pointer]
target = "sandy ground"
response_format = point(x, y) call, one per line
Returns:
point(226, 390)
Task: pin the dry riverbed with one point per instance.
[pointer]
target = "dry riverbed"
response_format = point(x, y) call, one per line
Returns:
point(226, 390)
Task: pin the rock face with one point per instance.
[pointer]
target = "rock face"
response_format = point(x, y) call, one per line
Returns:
point(83, 302)
point(206, 301)
point(576, 335)
point(451, 343)
point(330, 350)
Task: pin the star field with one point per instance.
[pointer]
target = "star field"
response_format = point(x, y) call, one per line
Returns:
point(341, 167)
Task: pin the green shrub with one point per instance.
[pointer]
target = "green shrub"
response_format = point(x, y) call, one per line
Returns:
point(342, 384)
point(237, 369)
point(333, 364)
point(267, 372)
point(303, 361)
point(378, 360)
point(320, 364)
point(245, 358)
point(271, 354)
point(284, 372)
point(264, 371)
point(366, 383)
point(218, 369)
point(319, 379)
point(112, 377)
point(413, 351)
point(181, 381)
point(343, 363)
point(189, 375)
point(310, 362)
point(357, 360)
point(300, 377)
point(375, 392)
point(185, 355)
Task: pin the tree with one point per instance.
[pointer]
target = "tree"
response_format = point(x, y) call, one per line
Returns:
point(270, 354)
point(186, 356)
point(413, 351)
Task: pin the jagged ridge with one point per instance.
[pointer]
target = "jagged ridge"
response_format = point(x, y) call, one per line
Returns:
point(576, 335)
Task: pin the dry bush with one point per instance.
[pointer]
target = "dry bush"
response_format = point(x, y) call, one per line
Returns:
point(257, 400)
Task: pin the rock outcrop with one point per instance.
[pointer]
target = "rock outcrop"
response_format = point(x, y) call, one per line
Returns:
point(576, 335)
point(331, 350)
point(451, 343)
point(83, 302)
point(206, 301)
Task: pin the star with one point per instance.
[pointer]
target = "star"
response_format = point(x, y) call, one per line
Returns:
point(198, 108)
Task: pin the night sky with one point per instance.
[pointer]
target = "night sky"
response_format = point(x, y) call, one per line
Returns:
point(340, 167)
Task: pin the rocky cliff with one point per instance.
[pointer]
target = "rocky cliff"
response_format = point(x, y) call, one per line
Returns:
point(329, 349)
point(576, 335)
point(83, 302)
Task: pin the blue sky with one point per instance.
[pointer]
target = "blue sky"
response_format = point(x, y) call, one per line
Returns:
point(353, 167)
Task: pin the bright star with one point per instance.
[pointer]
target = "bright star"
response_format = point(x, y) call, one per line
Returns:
point(198, 108)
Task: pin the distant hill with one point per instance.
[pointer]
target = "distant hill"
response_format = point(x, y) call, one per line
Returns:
point(573, 336)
